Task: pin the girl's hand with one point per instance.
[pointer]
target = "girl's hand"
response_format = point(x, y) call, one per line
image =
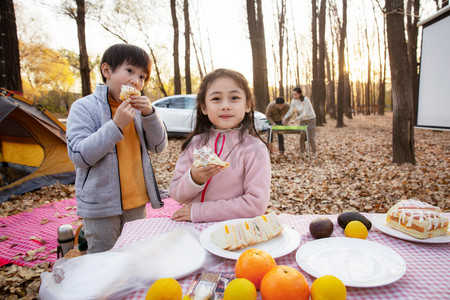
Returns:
point(201, 175)
point(182, 214)
point(124, 114)
point(143, 104)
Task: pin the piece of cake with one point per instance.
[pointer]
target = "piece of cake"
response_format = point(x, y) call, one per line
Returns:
point(205, 156)
point(418, 219)
point(128, 91)
point(247, 232)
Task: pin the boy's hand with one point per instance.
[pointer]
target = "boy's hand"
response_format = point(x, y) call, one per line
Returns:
point(200, 175)
point(143, 104)
point(124, 114)
point(182, 214)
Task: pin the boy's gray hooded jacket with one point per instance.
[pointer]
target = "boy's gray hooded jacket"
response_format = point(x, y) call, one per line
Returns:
point(91, 141)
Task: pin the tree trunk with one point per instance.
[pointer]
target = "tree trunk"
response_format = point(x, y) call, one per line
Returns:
point(281, 32)
point(176, 56)
point(413, 11)
point(347, 97)
point(9, 52)
point(258, 44)
point(84, 59)
point(315, 93)
point(187, 53)
point(403, 120)
point(321, 87)
point(331, 105)
point(341, 78)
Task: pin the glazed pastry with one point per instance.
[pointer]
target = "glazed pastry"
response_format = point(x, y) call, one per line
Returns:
point(128, 91)
point(205, 156)
point(247, 232)
point(418, 219)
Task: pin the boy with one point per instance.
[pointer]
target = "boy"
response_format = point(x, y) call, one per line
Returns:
point(108, 140)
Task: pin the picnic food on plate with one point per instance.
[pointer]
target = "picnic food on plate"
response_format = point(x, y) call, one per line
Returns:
point(356, 229)
point(348, 216)
point(253, 264)
point(417, 218)
point(205, 156)
point(321, 228)
point(284, 282)
point(247, 232)
point(128, 91)
point(328, 287)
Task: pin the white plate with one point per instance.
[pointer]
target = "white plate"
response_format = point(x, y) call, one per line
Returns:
point(286, 242)
point(356, 262)
point(379, 222)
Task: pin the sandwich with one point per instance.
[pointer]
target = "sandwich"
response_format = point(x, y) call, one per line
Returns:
point(128, 91)
point(205, 156)
point(247, 232)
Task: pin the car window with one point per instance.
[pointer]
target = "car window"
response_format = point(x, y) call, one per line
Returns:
point(164, 103)
point(190, 103)
point(177, 103)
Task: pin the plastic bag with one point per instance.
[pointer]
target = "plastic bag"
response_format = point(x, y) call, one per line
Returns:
point(118, 272)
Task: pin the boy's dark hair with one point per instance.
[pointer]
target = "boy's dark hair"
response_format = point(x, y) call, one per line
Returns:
point(203, 124)
point(299, 90)
point(279, 100)
point(118, 54)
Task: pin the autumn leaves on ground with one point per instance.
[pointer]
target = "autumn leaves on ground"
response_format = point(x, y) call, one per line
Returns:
point(352, 170)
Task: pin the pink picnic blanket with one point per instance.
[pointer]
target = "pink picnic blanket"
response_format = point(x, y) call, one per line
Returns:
point(30, 238)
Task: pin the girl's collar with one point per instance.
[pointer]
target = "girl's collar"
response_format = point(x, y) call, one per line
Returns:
point(226, 130)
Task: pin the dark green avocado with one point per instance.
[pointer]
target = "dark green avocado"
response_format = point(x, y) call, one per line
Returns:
point(346, 217)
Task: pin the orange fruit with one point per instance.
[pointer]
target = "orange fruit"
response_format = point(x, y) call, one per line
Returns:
point(253, 264)
point(356, 229)
point(284, 282)
point(165, 289)
point(328, 287)
point(240, 289)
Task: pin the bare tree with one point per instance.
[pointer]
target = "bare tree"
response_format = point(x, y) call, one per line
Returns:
point(79, 15)
point(382, 80)
point(187, 42)
point(403, 120)
point(281, 16)
point(176, 56)
point(412, 18)
point(321, 87)
point(258, 44)
point(369, 71)
point(341, 76)
point(9, 48)
point(113, 23)
point(315, 66)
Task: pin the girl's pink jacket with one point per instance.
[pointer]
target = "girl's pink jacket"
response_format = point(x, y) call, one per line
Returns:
point(240, 191)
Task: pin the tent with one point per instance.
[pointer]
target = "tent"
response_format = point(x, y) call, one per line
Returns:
point(33, 150)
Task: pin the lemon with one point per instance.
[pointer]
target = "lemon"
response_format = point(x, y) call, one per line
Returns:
point(356, 229)
point(165, 289)
point(240, 289)
point(328, 287)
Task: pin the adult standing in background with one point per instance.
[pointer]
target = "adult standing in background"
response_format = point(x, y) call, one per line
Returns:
point(307, 116)
point(274, 113)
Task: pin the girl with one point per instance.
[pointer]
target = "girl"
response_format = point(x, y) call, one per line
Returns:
point(225, 123)
point(307, 116)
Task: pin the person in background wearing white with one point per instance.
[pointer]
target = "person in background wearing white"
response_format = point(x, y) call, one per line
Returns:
point(306, 115)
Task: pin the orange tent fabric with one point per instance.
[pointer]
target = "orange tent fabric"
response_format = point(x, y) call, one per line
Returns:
point(33, 150)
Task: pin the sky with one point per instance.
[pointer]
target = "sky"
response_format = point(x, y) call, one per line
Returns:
point(225, 22)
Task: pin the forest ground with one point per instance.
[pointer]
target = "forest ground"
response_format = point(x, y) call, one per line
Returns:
point(352, 170)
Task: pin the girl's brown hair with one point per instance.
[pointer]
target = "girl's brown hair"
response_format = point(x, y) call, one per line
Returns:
point(203, 124)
